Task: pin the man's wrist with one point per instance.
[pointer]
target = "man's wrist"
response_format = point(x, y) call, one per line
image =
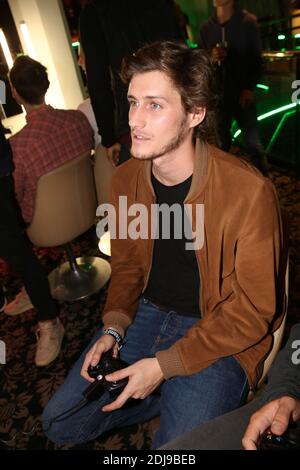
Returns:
point(114, 333)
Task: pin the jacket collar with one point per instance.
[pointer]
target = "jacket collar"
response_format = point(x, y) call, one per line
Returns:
point(200, 175)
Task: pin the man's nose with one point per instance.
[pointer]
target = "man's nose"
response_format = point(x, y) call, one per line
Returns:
point(137, 118)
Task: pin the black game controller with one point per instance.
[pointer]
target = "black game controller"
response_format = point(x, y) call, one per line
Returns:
point(105, 366)
point(290, 440)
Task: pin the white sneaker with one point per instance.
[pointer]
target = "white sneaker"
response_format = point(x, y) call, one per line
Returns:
point(49, 338)
point(20, 304)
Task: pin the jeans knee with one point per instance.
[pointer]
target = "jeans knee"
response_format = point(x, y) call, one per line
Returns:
point(54, 430)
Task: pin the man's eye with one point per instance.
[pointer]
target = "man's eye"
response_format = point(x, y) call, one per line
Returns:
point(155, 106)
point(133, 103)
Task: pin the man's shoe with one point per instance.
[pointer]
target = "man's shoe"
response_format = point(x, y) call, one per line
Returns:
point(20, 304)
point(49, 338)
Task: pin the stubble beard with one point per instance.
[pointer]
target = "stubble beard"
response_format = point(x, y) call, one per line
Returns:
point(172, 145)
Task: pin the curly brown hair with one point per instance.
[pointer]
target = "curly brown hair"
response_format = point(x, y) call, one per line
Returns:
point(191, 71)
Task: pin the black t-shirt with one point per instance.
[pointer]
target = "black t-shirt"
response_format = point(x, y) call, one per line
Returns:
point(174, 278)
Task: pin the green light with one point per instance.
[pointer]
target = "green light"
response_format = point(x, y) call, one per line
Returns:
point(276, 111)
point(237, 133)
point(263, 87)
point(281, 37)
point(192, 45)
point(269, 114)
point(278, 129)
point(76, 44)
point(297, 36)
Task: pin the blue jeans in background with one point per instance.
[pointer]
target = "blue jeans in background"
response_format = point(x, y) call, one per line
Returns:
point(183, 402)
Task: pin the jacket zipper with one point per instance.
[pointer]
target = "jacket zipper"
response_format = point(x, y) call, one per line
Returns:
point(151, 256)
point(200, 289)
point(150, 265)
point(200, 275)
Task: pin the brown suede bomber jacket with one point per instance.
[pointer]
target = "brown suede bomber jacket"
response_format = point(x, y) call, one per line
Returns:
point(241, 263)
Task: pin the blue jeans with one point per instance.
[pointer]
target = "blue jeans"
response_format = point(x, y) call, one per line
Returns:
point(183, 402)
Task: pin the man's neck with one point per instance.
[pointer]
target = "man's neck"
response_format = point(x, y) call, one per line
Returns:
point(175, 168)
point(30, 107)
point(225, 12)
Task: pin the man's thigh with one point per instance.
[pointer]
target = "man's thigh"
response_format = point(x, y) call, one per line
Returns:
point(188, 401)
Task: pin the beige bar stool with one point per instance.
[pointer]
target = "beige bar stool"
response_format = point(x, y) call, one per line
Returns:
point(103, 171)
point(66, 208)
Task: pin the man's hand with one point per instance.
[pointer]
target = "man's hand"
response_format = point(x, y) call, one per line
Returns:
point(246, 98)
point(105, 343)
point(277, 414)
point(113, 153)
point(144, 377)
point(219, 54)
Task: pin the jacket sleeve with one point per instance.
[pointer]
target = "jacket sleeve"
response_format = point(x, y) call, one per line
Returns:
point(245, 318)
point(127, 279)
point(284, 375)
point(98, 73)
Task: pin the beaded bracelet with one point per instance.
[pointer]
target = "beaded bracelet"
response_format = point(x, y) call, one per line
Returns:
point(115, 334)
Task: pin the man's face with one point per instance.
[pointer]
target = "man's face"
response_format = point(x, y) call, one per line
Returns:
point(159, 125)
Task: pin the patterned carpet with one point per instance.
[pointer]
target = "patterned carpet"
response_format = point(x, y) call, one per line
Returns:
point(26, 389)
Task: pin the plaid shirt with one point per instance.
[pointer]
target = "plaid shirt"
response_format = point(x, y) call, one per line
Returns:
point(50, 138)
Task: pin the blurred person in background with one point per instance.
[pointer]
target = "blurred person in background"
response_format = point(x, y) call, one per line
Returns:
point(50, 138)
point(232, 38)
point(110, 30)
point(17, 252)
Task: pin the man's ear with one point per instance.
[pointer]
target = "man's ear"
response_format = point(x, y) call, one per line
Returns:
point(197, 116)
